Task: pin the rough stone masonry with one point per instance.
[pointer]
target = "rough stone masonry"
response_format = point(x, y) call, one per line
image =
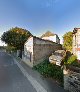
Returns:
point(72, 79)
point(37, 49)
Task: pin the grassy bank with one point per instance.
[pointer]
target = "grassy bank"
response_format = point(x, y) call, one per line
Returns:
point(50, 70)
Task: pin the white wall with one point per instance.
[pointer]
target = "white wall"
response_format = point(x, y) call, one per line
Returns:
point(28, 52)
point(76, 44)
point(52, 38)
point(29, 45)
point(41, 41)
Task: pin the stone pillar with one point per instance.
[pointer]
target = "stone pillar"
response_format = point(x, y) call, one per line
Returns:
point(66, 75)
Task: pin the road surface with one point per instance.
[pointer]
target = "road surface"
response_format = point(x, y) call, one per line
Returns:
point(11, 78)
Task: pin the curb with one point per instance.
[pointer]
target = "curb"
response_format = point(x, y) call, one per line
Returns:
point(32, 80)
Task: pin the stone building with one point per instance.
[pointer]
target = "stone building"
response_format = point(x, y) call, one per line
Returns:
point(51, 36)
point(76, 42)
point(37, 49)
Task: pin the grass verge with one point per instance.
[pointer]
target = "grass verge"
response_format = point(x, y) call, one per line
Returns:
point(50, 70)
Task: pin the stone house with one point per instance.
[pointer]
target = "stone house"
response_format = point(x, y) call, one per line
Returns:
point(51, 36)
point(76, 42)
point(36, 50)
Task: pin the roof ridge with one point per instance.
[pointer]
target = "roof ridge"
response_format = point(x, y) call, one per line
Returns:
point(47, 34)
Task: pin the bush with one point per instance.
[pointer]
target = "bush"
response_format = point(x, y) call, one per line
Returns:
point(76, 64)
point(68, 54)
point(50, 70)
point(71, 59)
point(10, 48)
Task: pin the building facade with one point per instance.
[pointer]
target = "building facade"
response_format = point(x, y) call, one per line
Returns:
point(53, 38)
point(36, 50)
point(76, 42)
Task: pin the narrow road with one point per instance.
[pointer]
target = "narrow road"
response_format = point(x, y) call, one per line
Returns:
point(11, 78)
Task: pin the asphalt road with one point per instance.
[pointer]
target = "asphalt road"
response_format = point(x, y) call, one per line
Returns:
point(11, 78)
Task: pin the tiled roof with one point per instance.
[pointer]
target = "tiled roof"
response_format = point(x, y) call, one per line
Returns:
point(75, 30)
point(78, 49)
point(47, 34)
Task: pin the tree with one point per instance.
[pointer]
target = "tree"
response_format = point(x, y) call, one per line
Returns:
point(67, 40)
point(16, 37)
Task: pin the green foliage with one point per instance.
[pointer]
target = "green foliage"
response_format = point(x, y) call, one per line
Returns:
point(76, 64)
point(67, 41)
point(2, 47)
point(71, 59)
point(68, 54)
point(16, 37)
point(10, 48)
point(50, 70)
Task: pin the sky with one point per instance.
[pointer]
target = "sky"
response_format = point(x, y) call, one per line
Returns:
point(39, 16)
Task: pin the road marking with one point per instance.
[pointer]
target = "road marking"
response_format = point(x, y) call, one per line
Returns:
point(32, 80)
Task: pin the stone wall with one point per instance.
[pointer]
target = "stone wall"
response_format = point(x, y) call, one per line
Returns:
point(43, 49)
point(39, 50)
point(72, 79)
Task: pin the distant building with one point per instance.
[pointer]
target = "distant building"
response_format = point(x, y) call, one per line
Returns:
point(50, 36)
point(76, 42)
point(36, 50)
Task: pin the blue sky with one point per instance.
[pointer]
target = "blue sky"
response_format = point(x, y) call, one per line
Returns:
point(39, 16)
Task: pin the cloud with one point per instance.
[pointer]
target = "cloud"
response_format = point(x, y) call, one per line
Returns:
point(1, 34)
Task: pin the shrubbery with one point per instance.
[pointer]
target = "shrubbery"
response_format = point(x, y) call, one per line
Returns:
point(53, 71)
point(50, 70)
point(76, 64)
point(9, 49)
point(72, 59)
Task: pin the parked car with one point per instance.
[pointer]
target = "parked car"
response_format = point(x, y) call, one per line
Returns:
point(57, 57)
